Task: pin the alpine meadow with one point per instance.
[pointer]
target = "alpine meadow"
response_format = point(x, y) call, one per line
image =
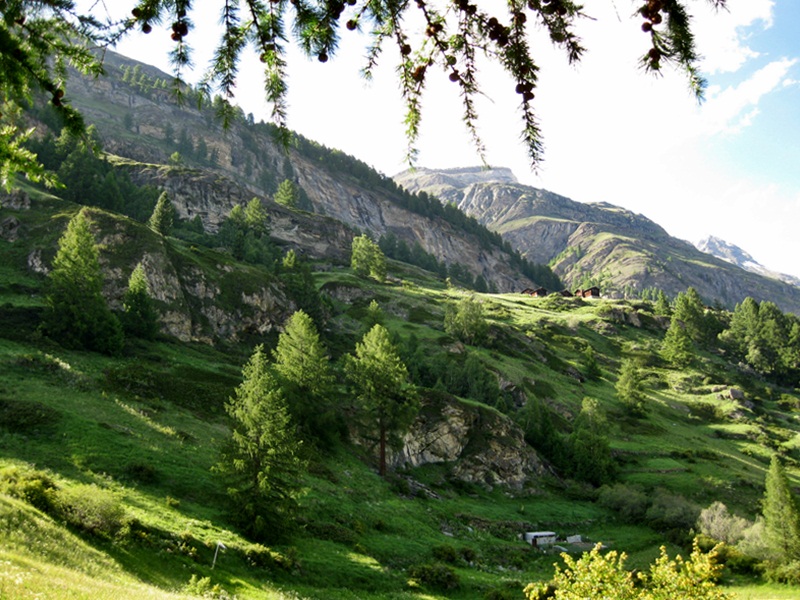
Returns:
point(235, 363)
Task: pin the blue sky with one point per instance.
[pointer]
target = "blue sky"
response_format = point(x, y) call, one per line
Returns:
point(728, 167)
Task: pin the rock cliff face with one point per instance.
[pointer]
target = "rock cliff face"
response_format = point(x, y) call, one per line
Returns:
point(200, 295)
point(598, 244)
point(142, 124)
point(479, 445)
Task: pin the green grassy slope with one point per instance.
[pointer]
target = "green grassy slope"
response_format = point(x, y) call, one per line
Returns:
point(113, 456)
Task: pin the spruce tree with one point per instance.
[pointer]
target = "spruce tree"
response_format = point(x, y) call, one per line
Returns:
point(367, 259)
point(287, 194)
point(677, 347)
point(380, 383)
point(255, 217)
point(590, 453)
point(77, 315)
point(261, 462)
point(591, 368)
point(629, 388)
point(302, 364)
point(139, 316)
point(466, 321)
point(662, 307)
point(781, 514)
point(163, 217)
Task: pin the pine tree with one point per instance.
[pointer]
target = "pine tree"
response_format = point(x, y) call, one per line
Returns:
point(743, 327)
point(629, 388)
point(677, 347)
point(302, 364)
point(367, 258)
point(77, 314)
point(287, 194)
point(380, 383)
point(255, 217)
point(298, 280)
point(781, 514)
point(163, 217)
point(261, 462)
point(590, 453)
point(688, 309)
point(591, 368)
point(139, 317)
point(662, 307)
point(466, 320)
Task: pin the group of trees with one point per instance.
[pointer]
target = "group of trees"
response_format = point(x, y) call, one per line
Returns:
point(77, 314)
point(90, 179)
point(757, 334)
point(288, 401)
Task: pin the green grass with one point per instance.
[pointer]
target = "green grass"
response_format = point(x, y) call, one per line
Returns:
point(144, 429)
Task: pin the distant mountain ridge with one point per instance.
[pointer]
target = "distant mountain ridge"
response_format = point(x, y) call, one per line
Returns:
point(735, 255)
point(623, 253)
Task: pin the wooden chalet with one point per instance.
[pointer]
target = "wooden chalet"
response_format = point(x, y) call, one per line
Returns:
point(537, 293)
point(592, 292)
point(566, 293)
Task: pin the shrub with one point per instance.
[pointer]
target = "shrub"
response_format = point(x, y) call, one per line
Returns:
point(788, 573)
point(629, 501)
point(92, 509)
point(509, 590)
point(142, 472)
point(25, 417)
point(202, 586)
point(445, 553)
point(671, 511)
point(435, 575)
point(29, 485)
point(717, 523)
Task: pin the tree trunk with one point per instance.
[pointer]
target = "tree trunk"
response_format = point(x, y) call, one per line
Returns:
point(382, 459)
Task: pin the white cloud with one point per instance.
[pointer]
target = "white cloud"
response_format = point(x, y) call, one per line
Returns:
point(733, 108)
point(723, 35)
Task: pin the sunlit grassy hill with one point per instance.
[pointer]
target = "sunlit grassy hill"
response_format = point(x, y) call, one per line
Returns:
point(106, 482)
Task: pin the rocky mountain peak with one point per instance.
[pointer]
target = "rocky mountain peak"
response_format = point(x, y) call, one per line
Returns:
point(726, 251)
point(735, 255)
point(457, 178)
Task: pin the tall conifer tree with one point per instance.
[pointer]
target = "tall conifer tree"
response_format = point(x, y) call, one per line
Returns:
point(261, 461)
point(303, 366)
point(381, 384)
point(139, 317)
point(163, 216)
point(781, 514)
point(77, 314)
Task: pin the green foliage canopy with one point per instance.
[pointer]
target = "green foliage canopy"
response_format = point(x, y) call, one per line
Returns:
point(77, 314)
point(781, 514)
point(302, 364)
point(367, 258)
point(163, 217)
point(629, 387)
point(380, 382)
point(466, 320)
point(261, 462)
point(139, 316)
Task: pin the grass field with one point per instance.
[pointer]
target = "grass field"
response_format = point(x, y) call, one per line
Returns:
point(107, 491)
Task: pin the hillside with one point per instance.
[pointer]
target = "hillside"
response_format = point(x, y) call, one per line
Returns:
point(514, 418)
point(625, 254)
point(137, 118)
point(131, 439)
